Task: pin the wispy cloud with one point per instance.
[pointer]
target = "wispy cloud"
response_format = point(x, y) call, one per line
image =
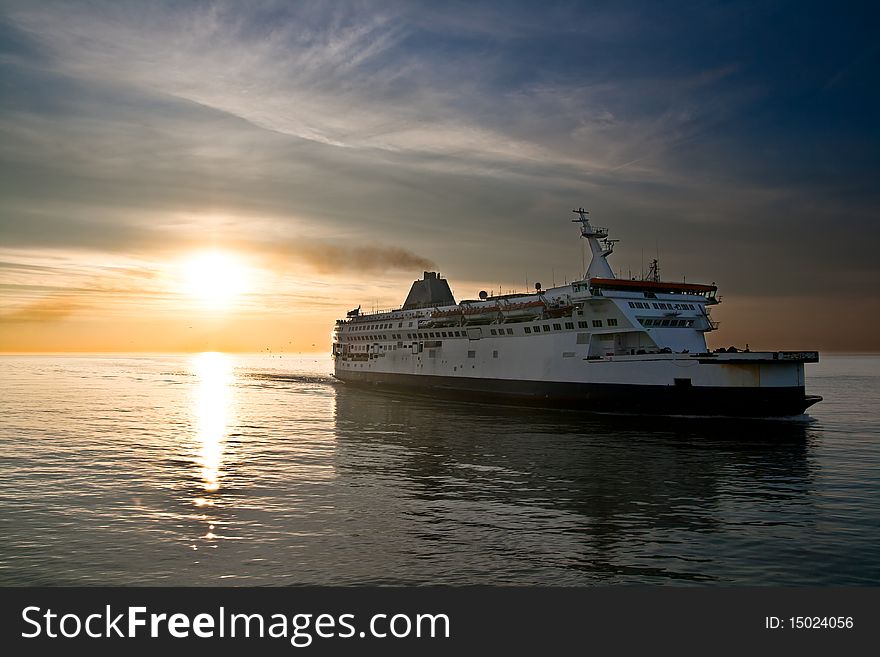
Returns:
point(49, 309)
point(358, 76)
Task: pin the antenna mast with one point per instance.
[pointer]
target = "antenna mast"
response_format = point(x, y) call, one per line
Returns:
point(599, 267)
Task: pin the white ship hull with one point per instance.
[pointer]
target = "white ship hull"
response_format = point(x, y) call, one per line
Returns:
point(512, 370)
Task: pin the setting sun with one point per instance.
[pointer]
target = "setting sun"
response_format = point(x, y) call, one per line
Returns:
point(214, 278)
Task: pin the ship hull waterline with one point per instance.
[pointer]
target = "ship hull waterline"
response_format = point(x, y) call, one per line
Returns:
point(629, 399)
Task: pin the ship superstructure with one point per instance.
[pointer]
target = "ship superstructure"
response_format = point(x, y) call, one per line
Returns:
point(601, 343)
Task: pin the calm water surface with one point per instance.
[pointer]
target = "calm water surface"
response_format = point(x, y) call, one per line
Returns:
point(214, 469)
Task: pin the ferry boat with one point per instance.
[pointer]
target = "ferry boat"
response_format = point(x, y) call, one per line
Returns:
point(600, 344)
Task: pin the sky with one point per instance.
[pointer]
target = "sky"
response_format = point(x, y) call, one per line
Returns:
point(236, 175)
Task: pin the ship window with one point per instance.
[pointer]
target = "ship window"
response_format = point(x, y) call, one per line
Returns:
point(597, 323)
point(690, 323)
point(569, 325)
point(527, 329)
point(472, 354)
point(495, 354)
point(557, 327)
point(510, 331)
point(612, 322)
point(399, 324)
point(632, 305)
point(582, 325)
point(492, 331)
point(656, 307)
point(665, 322)
point(458, 334)
point(409, 325)
point(444, 334)
point(546, 328)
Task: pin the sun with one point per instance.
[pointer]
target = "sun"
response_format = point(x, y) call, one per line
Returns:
point(214, 278)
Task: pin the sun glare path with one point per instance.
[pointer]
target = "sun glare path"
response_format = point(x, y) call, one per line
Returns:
point(214, 372)
point(214, 278)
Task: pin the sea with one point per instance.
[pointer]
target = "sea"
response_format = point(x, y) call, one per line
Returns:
point(216, 469)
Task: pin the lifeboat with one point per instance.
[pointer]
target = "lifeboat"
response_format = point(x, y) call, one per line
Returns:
point(477, 314)
point(523, 310)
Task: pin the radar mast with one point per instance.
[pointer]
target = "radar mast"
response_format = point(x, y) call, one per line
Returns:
point(600, 246)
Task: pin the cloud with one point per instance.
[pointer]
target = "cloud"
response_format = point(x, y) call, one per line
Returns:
point(53, 308)
point(380, 79)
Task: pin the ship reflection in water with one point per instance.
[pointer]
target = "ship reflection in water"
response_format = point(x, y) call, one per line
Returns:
point(523, 496)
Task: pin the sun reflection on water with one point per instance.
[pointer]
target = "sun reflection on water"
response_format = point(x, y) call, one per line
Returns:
point(213, 414)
